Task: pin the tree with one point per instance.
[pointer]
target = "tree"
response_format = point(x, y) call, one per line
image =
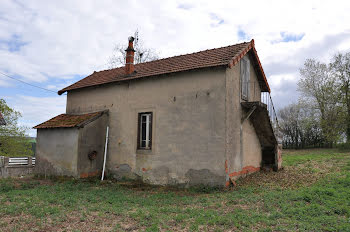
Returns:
point(12, 136)
point(300, 126)
point(288, 122)
point(142, 54)
point(318, 89)
point(340, 67)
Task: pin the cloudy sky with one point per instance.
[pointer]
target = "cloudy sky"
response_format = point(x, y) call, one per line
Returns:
point(55, 43)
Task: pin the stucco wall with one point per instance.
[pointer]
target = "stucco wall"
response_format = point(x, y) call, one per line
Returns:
point(233, 120)
point(252, 154)
point(242, 144)
point(56, 151)
point(251, 146)
point(92, 137)
point(189, 126)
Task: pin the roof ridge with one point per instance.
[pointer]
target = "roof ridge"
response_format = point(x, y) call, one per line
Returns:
point(221, 56)
point(211, 49)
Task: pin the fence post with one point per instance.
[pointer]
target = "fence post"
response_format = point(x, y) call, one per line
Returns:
point(6, 161)
point(30, 161)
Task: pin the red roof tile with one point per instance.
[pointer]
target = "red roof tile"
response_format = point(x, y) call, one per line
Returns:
point(225, 56)
point(2, 120)
point(69, 120)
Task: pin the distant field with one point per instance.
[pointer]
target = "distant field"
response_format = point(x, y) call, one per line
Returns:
point(311, 193)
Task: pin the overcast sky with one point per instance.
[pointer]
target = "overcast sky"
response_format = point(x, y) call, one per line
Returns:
point(55, 43)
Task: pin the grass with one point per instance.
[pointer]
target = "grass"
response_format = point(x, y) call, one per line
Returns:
point(311, 193)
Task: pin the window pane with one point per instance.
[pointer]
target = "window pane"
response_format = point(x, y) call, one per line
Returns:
point(147, 130)
point(143, 118)
point(150, 132)
point(143, 131)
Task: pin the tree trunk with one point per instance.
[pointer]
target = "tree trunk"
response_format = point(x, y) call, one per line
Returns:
point(348, 119)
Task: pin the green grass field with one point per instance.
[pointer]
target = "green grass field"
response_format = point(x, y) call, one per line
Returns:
point(311, 193)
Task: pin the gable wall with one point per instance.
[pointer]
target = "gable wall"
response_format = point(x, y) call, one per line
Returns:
point(188, 126)
point(243, 148)
point(251, 146)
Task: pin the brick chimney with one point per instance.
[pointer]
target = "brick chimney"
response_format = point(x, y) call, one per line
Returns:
point(129, 65)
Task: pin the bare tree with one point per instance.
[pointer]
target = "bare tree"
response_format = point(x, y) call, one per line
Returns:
point(300, 126)
point(288, 122)
point(142, 54)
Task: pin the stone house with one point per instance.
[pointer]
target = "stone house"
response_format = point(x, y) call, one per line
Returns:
point(191, 119)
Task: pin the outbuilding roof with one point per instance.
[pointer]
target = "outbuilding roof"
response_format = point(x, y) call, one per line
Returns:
point(224, 56)
point(69, 120)
point(2, 120)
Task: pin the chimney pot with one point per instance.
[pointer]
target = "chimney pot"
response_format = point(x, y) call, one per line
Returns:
point(130, 52)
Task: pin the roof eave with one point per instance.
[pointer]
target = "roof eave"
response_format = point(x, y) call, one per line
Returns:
point(132, 79)
point(237, 58)
point(78, 126)
point(84, 123)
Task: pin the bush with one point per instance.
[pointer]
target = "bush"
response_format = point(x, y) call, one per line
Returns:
point(344, 146)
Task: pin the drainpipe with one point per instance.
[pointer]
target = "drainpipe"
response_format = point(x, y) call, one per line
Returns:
point(104, 157)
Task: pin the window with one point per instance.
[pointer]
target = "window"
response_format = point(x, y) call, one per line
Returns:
point(245, 78)
point(144, 140)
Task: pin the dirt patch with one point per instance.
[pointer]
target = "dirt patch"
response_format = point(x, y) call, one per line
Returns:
point(291, 176)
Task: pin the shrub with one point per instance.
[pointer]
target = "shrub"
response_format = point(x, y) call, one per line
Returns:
point(344, 146)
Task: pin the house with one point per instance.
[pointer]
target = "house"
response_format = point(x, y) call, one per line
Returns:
point(185, 120)
point(2, 120)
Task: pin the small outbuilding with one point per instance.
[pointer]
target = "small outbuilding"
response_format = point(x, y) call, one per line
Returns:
point(71, 145)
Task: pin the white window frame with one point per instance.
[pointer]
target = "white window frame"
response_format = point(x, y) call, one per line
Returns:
point(147, 140)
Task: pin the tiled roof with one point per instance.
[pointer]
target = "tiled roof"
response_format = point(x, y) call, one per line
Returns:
point(69, 120)
point(224, 56)
point(2, 120)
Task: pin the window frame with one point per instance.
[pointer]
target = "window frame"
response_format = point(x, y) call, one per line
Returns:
point(149, 128)
point(245, 78)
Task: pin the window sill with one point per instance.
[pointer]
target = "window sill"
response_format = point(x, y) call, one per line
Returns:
point(144, 151)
